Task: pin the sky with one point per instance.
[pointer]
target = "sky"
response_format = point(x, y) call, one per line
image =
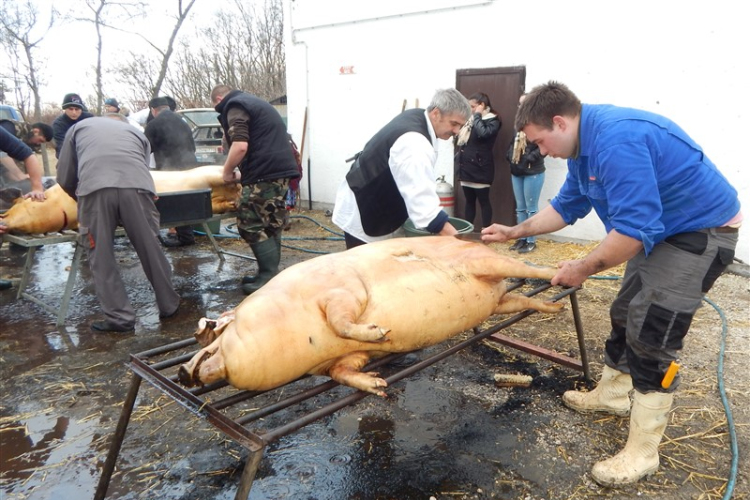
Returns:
point(67, 54)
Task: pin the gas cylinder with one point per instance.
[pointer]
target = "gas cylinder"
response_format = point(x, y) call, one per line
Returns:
point(447, 197)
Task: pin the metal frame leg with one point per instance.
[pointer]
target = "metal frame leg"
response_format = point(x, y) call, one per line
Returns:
point(63, 311)
point(26, 271)
point(114, 450)
point(579, 333)
point(211, 238)
point(248, 474)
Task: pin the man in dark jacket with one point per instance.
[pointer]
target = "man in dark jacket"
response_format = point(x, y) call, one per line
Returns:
point(74, 110)
point(171, 138)
point(259, 146)
point(174, 149)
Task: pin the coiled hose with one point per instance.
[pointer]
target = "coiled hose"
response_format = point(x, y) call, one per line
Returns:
point(231, 228)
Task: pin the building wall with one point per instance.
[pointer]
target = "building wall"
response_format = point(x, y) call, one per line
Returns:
point(351, 66)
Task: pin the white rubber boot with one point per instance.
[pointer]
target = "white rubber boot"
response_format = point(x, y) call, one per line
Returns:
point(611, 395)
point(640, 457)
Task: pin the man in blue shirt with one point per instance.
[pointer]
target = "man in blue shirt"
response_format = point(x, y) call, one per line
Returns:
point(669, 213)
point(16, 149)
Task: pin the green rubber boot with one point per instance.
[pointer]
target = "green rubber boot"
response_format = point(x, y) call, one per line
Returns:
point(268, 254)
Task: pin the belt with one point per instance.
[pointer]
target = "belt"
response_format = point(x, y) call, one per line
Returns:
point(727, 229)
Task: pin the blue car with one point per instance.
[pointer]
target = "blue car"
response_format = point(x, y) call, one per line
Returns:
point(9, 113)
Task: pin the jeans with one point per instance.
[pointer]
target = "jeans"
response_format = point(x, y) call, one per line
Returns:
point(527, 189)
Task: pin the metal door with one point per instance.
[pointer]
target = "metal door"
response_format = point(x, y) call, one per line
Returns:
point(504, 87)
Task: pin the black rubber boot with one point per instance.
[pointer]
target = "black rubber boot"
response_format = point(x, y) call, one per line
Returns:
point(252, 278)
point(5, 284)
point(268, 254)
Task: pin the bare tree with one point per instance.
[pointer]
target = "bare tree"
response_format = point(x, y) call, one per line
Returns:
point(119, 12)
point(136, 71)
point(18, 20)
point(243, 49)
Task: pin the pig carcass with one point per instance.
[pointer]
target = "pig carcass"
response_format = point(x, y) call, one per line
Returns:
point(330, 315)
point(59, 211)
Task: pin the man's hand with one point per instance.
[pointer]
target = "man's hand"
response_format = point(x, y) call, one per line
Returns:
point(3, 229)
point(448, 230)
point(37, 195)
point(497, 233)
point(571, 273)
point(231, 177)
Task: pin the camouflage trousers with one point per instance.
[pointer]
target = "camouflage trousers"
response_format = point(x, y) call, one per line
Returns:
point(261, 211)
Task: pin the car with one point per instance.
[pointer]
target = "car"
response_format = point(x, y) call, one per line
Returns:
point(207, 134)
point(9, 113)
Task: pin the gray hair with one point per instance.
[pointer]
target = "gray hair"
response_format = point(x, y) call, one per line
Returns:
point(449, 101)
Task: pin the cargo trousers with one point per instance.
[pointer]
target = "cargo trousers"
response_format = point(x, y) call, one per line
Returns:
point(261, 210)
point(660, 293)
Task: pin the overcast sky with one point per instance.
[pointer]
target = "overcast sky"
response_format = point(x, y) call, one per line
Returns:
point(67, 55)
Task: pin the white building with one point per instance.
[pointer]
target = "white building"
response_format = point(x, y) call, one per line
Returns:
point(352, 66)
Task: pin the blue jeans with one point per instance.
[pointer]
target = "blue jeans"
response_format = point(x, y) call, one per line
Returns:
point(527, 189)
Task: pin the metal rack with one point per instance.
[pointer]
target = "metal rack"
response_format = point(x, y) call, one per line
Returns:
point(159, 367)
point(34, 241)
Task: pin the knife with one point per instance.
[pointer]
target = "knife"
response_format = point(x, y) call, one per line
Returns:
point(475, 237)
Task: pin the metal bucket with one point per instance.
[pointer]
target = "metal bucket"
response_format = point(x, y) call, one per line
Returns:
point(462, 226)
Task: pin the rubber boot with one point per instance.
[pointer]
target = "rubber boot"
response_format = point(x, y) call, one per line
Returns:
point(611, 395)
point(268, 254)
point(5, 284)
point(640, 457)
point(252, 278)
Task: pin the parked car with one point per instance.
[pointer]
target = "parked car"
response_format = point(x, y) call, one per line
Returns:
point(9, 113)
point(207, 134)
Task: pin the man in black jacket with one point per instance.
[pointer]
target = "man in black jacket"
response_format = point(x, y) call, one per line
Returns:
point(174, 149)
point(259, 146)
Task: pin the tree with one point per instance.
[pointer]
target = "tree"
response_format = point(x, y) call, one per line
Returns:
point(243, 48)
point(18, 21)
point(120, 11)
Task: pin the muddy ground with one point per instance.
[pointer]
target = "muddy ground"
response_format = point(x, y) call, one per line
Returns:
point(446, 432)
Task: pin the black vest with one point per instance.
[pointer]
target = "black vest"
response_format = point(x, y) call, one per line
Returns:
point(269, 153)
point(381, 208)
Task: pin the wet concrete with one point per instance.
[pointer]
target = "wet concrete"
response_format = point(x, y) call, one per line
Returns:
point(445, 432)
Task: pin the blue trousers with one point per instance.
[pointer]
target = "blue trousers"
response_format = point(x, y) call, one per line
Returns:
point(527, 189)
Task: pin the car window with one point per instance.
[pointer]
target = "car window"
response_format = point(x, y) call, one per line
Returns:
point(200, 116)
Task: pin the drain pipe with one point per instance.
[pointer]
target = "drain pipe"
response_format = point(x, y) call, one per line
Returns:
point(309, 185)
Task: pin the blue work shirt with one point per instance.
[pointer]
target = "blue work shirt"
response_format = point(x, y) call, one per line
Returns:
point(12, 145)
point(644, 177)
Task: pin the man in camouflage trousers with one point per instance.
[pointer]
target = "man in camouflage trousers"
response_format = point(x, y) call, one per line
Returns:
point(259, 146)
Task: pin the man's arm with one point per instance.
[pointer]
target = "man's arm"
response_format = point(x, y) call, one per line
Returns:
point(35, 176)
point(614, 249)
point(235, 155)
point(238, 133)
point(67, 167)
point(21, 152)
point(548, 220)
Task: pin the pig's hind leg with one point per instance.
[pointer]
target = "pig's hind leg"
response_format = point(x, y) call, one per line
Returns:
point(512, 303)
point(342, 310)
point(346, 371)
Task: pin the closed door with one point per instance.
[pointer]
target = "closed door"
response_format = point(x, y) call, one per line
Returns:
point(504, 86)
